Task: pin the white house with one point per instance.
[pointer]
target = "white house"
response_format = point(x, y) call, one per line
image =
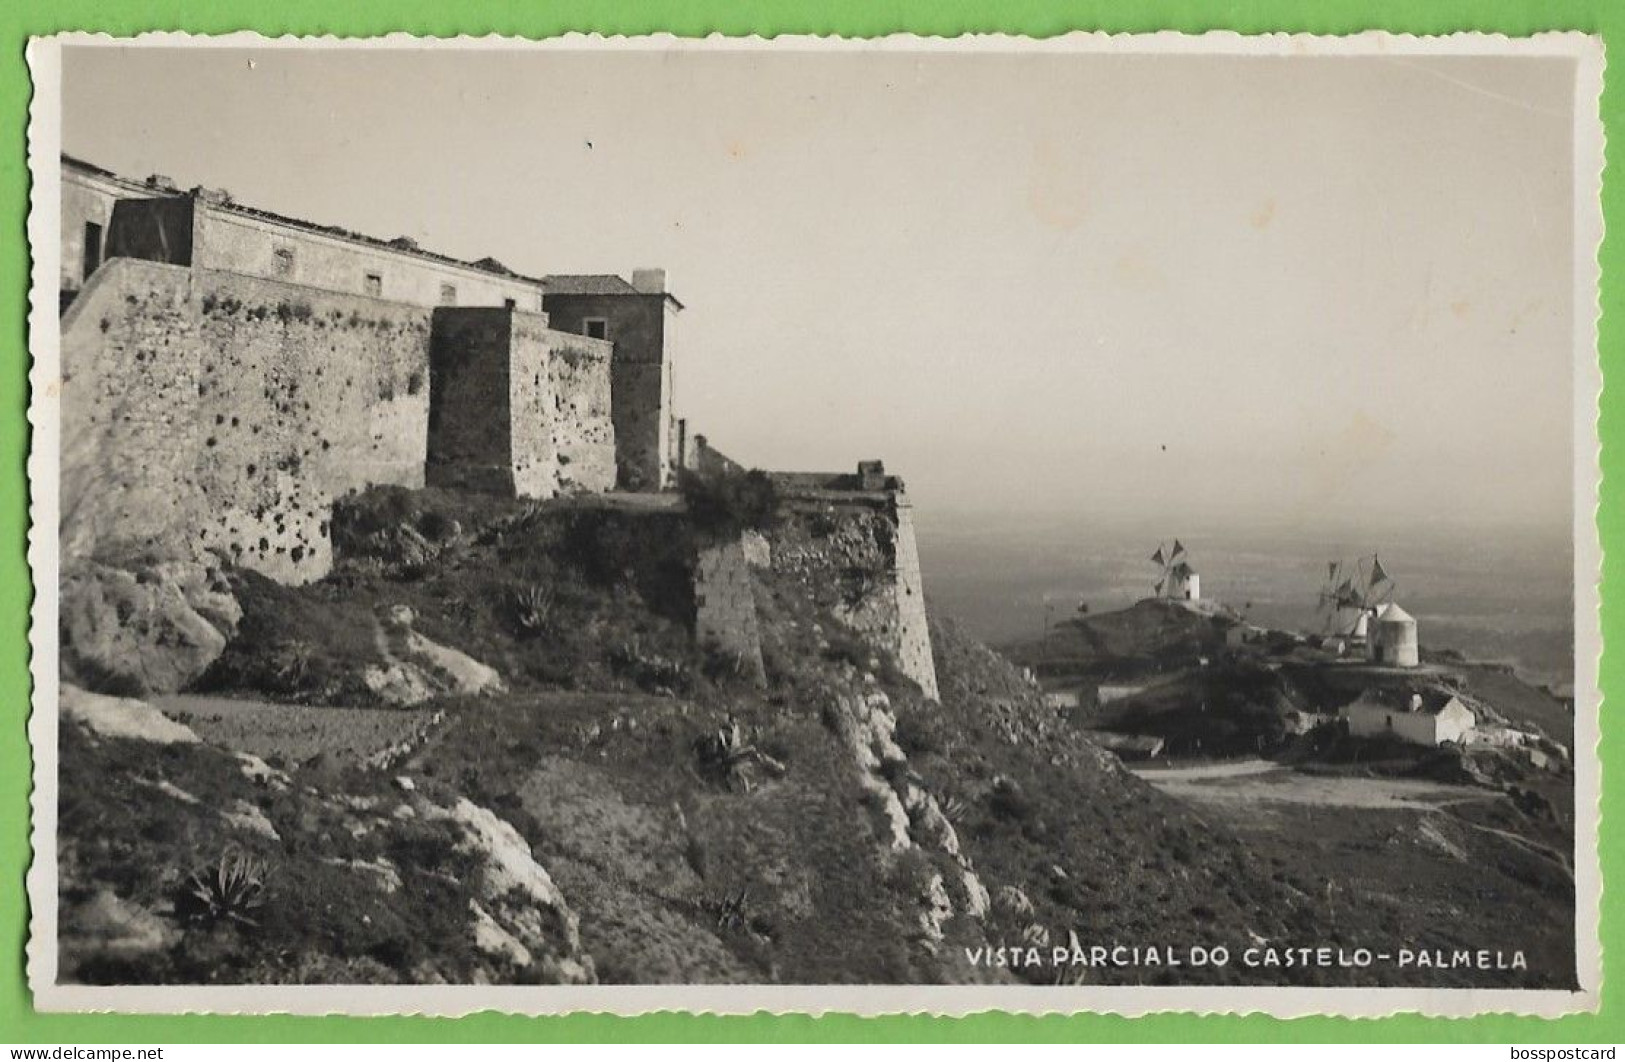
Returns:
point(1392, 638)
point(1430, 718)
point(1184, 584)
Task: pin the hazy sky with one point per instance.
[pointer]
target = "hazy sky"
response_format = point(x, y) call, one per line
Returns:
point(1170, 286)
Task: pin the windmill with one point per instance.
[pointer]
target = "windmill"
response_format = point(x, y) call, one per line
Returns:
point(1351, 593)
point(1175, 576)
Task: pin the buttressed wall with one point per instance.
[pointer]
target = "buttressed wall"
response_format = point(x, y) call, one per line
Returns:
point(231, 410)
point(517, 408)
point(854, 553)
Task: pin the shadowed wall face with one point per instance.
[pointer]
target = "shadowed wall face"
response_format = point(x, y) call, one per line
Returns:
point(518, 408)
point(470, 405)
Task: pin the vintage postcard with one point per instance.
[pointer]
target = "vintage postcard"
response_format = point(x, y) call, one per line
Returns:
point(475, 570)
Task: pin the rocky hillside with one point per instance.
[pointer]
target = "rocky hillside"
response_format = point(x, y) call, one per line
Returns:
point(486, 749)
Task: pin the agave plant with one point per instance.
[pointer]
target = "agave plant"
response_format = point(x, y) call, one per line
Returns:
point(955, 810)
point(726, 751)
point(731, 909)
point(228, 891)
point(1036, 935)
point(290, 662)
point(533, 607)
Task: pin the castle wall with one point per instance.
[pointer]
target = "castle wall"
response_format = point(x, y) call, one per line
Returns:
point(231, 410)
point(518, 408)
point(640, 328)
point(582, 417)
point(469, 444)
point(854, 554)
point(913, 634)
point(725, 608)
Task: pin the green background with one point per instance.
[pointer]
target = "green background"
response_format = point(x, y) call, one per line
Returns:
point(863, 18)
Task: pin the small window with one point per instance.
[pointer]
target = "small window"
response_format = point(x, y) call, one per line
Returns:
point(510, 304)
point(448, 295)
point(373, 284)
point(284, 261)
point(93, 247)
point(595, 328)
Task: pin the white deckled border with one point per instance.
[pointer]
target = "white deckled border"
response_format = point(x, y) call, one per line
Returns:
point(44, 146)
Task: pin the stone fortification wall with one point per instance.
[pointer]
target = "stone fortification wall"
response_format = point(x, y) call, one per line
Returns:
point(229, 411)
point(518, 408)
point(639, 326)
point(582, 416)
point(725, 620)
point(854, 553)
point(913, 633)
point(472, 404)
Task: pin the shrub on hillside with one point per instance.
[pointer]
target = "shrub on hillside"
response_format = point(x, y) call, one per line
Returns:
point(725, 503)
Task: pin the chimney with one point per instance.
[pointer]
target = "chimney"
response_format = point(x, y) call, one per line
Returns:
point(161, 183)
point(1416, 702)
point(649, 281)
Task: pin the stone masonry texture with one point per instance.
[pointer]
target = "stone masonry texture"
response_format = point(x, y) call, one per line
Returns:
point(228, 411)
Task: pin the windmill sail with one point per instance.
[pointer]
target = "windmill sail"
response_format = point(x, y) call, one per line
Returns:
point(1157, 558)
point(1377, 573)
point(1178, 549)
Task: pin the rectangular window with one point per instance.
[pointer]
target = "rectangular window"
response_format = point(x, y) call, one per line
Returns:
point(284, 261)
point(510, 304)
point(448, 295)
point(93, 247)
point(374, 284)
point(595, 328)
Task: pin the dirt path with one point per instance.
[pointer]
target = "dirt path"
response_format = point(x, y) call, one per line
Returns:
point(1253, 781)
point(295, 732)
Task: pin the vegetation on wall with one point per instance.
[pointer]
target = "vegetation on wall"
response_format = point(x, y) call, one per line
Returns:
point(723, 504)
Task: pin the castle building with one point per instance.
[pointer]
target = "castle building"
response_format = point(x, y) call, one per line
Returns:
point(105, 216)
point(1391, 638)
point(245, 368)
point(639, 318)
point(88, 195)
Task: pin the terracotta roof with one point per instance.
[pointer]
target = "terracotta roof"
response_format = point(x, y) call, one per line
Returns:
point(588, 284)
point(597, 284)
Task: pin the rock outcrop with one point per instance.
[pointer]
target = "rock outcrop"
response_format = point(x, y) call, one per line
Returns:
point(143, 626)
point(122, 717)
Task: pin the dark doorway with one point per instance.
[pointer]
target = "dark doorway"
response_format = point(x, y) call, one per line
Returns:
point(93, 248)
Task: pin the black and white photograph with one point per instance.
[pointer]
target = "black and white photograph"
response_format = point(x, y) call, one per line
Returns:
point(1092, 524)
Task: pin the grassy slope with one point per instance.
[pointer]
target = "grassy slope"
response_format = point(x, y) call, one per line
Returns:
point(139, 818)
point(676, 872)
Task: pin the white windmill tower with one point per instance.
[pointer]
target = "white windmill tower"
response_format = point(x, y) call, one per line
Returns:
point(1176, 579)
point(1351, 597)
